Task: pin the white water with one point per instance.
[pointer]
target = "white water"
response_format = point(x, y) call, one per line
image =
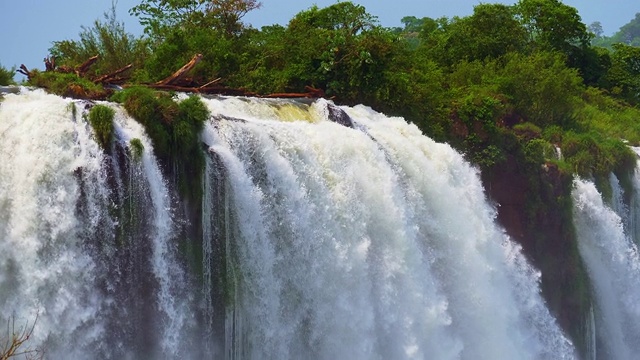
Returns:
point(43, 268)
point(173, 298)
point(362, 249)
point(48, 270)
point(613, 264)
point(371, 242)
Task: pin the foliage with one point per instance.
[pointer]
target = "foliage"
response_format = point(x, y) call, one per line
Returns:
point(553, 25)
point(624, 74)
point(6, 75)
point(101, 120)
point(629, 33)
point(608, 116)
point(589, 154)
point(66, 84)
point(174, 129)
point(114, 46)
point(136, 148)
point(161, 17)
point(540, 87)
point(220, 55)
point(339, 49)
point(493, 28)
point(154, 110)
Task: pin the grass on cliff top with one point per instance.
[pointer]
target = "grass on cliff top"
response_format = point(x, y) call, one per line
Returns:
point(609, 117)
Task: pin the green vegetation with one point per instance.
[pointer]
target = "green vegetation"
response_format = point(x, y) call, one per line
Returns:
point(136, 148)
point(101, 120)
point(6, 76)
point(108, 40)
point(628, 34)
point(174, 128)
point(66, 84)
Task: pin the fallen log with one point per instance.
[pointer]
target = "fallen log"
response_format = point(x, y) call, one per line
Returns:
point(213, 90)
point(24, 71)
point(311, 93)
point(209, 83)
point(113, 78)
point(84, 67)
point(181, 72)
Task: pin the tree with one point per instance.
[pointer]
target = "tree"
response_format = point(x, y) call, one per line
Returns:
point(542, 89)
point(596, 29)
point(108, 39)
point(492, 31)
point(629, 33)
point(228, 13)
point(412, 24)
point(160, 17)
point(553, 25)
point(624, 74)
point(339, 48)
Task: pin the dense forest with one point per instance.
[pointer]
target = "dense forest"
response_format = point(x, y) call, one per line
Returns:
point(528, 92)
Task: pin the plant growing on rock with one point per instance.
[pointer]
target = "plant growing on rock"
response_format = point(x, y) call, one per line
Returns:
point(101, 120)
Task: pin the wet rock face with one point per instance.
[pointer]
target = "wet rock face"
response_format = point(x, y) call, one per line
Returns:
point(534, 209)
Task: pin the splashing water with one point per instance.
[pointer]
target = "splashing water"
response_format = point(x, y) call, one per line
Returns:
point(319, 240)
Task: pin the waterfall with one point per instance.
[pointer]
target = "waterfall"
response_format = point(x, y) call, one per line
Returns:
point(45, 274)
point(327, 233)
point(375, 243)
point(76, 228)
point(613, 265)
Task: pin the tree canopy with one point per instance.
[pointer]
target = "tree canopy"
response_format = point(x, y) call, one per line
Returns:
point(500, 67)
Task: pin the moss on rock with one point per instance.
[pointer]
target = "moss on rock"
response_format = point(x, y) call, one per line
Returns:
point(101, 120)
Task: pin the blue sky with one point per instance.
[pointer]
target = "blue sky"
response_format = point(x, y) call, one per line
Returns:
point(28, 27)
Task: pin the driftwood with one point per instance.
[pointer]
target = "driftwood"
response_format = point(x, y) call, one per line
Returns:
point(113, 78)
point(49, 64)
point(176, 82)
point(212, 90)
point(311, 93)
point(24, 71)
point(210, 83)
point(84, 67)
point(181, 72)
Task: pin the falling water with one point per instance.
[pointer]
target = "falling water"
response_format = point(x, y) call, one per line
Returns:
point(614, 268)
point(327, 233)
point(375, 243)
point(76, 226)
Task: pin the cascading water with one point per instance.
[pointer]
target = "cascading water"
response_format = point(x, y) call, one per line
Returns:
point(606, 234)
point(361, 239)
point(369, 243)
point(76, 230)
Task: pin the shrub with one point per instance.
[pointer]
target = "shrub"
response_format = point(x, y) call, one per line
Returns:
point(66, 84)
point(173, 128)
point(589, 154)
point(154, 110)
point(6, 76)
point(107, 39)
point(101, 120)
point(136, 148)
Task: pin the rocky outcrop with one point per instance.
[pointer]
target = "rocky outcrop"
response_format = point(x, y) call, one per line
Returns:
point(534, 206)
